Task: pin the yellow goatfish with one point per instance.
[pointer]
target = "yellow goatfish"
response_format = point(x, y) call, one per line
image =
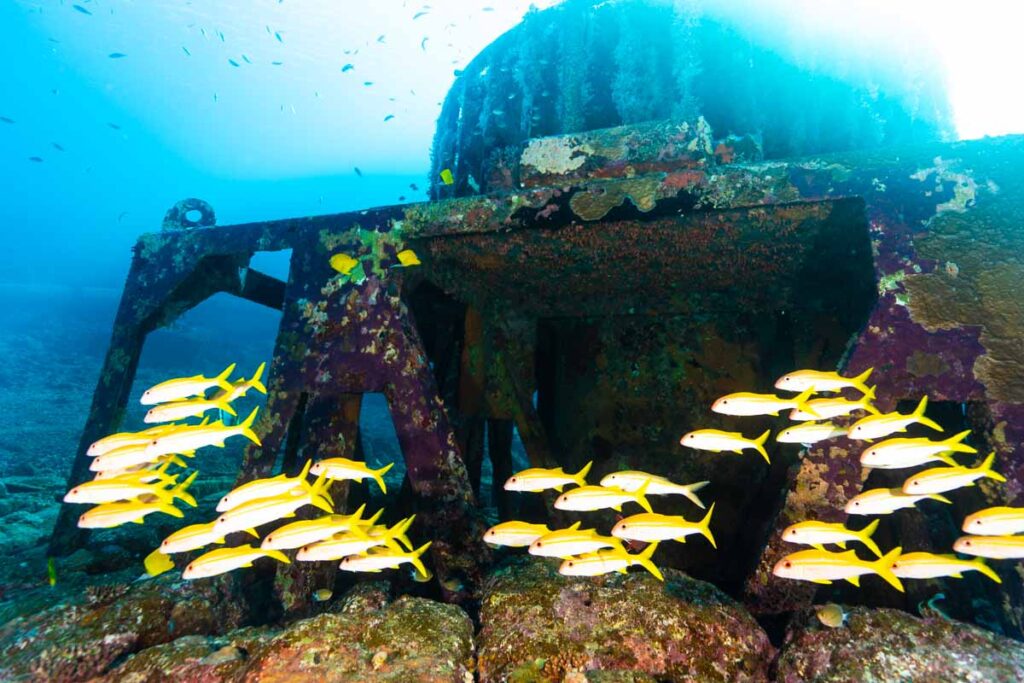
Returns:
point(808, 433)
point(408, 257)
point(631, 480)
point(127, 457)
point(716, 441)
point(308, 531)
point(571, 541)
point(997, 521)
point(189, 438)
point(146, 472)
point(110, 515)
point(817, 534)
point(747, 404)
point(929, 566)
point(357, 541)
point(877, 426)
point(609, 560)
point(248, 516)
point(109, 443)
point(179, 410)
point(539, 479)
point(341, 469)
point(885, 501)
point(192, 537)
point(385, 558)
point(225, 559)
point(343, 263)
point(817, 380)
point(263, 488)
point(185, 387)
point(942, 479)
point(587, 498)
point(993, 547)
point(652, 527)
point(515, 534)
point(241, 387)
point(828, 408)
point(113, 490)
point(893, 454)
point(821, 566)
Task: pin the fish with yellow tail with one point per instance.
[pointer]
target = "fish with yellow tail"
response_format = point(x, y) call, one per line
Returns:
point(190, 438)
point(343, 263)
point(878, 426)
point(822, 566)
point(632, 480)
point(886, 501)
point(121, 439)
point(716, 441)
point(536, 479)
point(992, 547)
point(515, 534)
point(652, 527)
point(818, 380)
point(746, 404)
point(356, 541)
point(113, 490)
point(407, 258)
point(263, 488)
point(147, 472)
point(179, 410)
point(894, 454)
point(610, 560)
point(341, 469)
point(224, 560)
point(247, 516)
point(818, 534)
point(836, 406)
point(109, 515)
point(380, 558)
point(127, 457)
point(185, 387)
point(930, 566)
point(588, 498)
point(308, 531)
point(996, 521)
point(242, 387)
point(571, 541)
point(942, 479)
point(808, 433)
point(192, 537)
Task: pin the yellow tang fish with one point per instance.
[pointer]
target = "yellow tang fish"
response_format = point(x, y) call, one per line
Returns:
point(156, 563)
point(248, 516)
point(341, 469)
point(192, 537)
point(109, 443)
point(716, 441)
point(539, 479)
point(996, 521)
point(225, 559)
point(307, 531)
point(240, 388)
point(817, 534)
point(110, 515)
point(746, 404)
point(652, 527)
point(609, 560)
point(587, 498)
point(877, 426)
point(113, 490)
point(446, 177)
point(994, 547)
point(343, 263)
point(929, 566)
point(189, 438)
point(894, 454)
point(385, 558)
point(179, 410)
point(808, 433)
point(632, 480)
point(185, 387)
point(515, 534)
point(356, 541)
point(821, 566)
point(831, 615)
point(828, 408)
point(571, 541)
point(942, 479)
point(817, 380)
point(408, 258)
point(263, 488)
point(885, 501)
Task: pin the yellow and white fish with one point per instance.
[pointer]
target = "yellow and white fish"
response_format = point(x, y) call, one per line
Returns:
point(930, 566)
point(652, 527)
point(179, 410)
point(540, 479)
point(808, 433)
point(189, 438)
point(263, 488)
point(109, 443)
point(894, 454)
point(942, 479)
point(746, 404)
point(248, 516)
point(192, 537)
point(343, 263)
point(818, 534)
point(113, 490)
point(886, 501)
point(308, 531)
point(356, 541)
point(821, 566)
point(110, 515)
point(817, 380)
point(877, 426)
point(224, 560)
point(571, 541)
point(241, 387)
point(587, 498)
point(716, 441)
point(341, 469)
point(836, 406)
point(127, 457)
point(632, 480)
point(380, 558)
point(609, 560)
point(993, 547)
point(185, 387)
point(515, 534)
point(146, 472)
point(995, 521)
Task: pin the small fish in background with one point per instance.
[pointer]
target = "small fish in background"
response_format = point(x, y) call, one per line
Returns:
point(367, 83)
point(276, 63)
point(117, 55)
point(809, 433)
point(277, 36)
point(341, 469)
point(878, 426)
point(81, 9)
point(57, 146)
point(818, 534)
point(322, 594)
point(226, 559)
point(380, 38)
point(930, 608)
point(515, 534)
point(156, 563)
point(388, 117)
point(51, 571)
point(746, 404)
point(343, 263)
point(419, 14)
point(589, 498)
point(423, 578)
point(537, 479)
point(347, 67)
point(408, 258)
point(412, 186)
point(831, 615)
point(37, 160)
point(185, 50)
point(446, 177)
point(632, 480)
point(824, 567)
point(115, 126)
point(943, 479)
point(610, 560)
point(931, 566)
point(571, 541)
point(423, 44)
point(995, 521)
point(992, 547)
point(185, 387)
point(358, 172)
point(233, 62)
point(828, 408)
point(246, 59)
point(652, 527)
point(817, 380)
point(886, 501)
point(901, 453)
point(716, 441)
point(6, 119)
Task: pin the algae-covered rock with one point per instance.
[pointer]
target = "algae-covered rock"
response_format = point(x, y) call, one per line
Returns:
point(540, 626)
point(891, 645)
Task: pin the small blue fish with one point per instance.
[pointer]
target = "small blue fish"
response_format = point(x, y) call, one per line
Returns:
point(185, 50)
point(233, 62)
point(82, 9)
point(117, 55)
point(418, 15)
point(37, 160)
point(347, 67)
point(389, 117)
point(367, 83)
point(114, 126)
point(277, 63)
point(57, 147)
point(6, 120)
point(358, 172)
point(247, 60)
point(278, 36)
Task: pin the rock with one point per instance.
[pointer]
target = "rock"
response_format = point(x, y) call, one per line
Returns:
point(891, 645)
point(538, 625)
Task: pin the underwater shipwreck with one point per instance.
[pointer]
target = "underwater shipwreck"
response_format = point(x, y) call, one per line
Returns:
point(614, 252)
